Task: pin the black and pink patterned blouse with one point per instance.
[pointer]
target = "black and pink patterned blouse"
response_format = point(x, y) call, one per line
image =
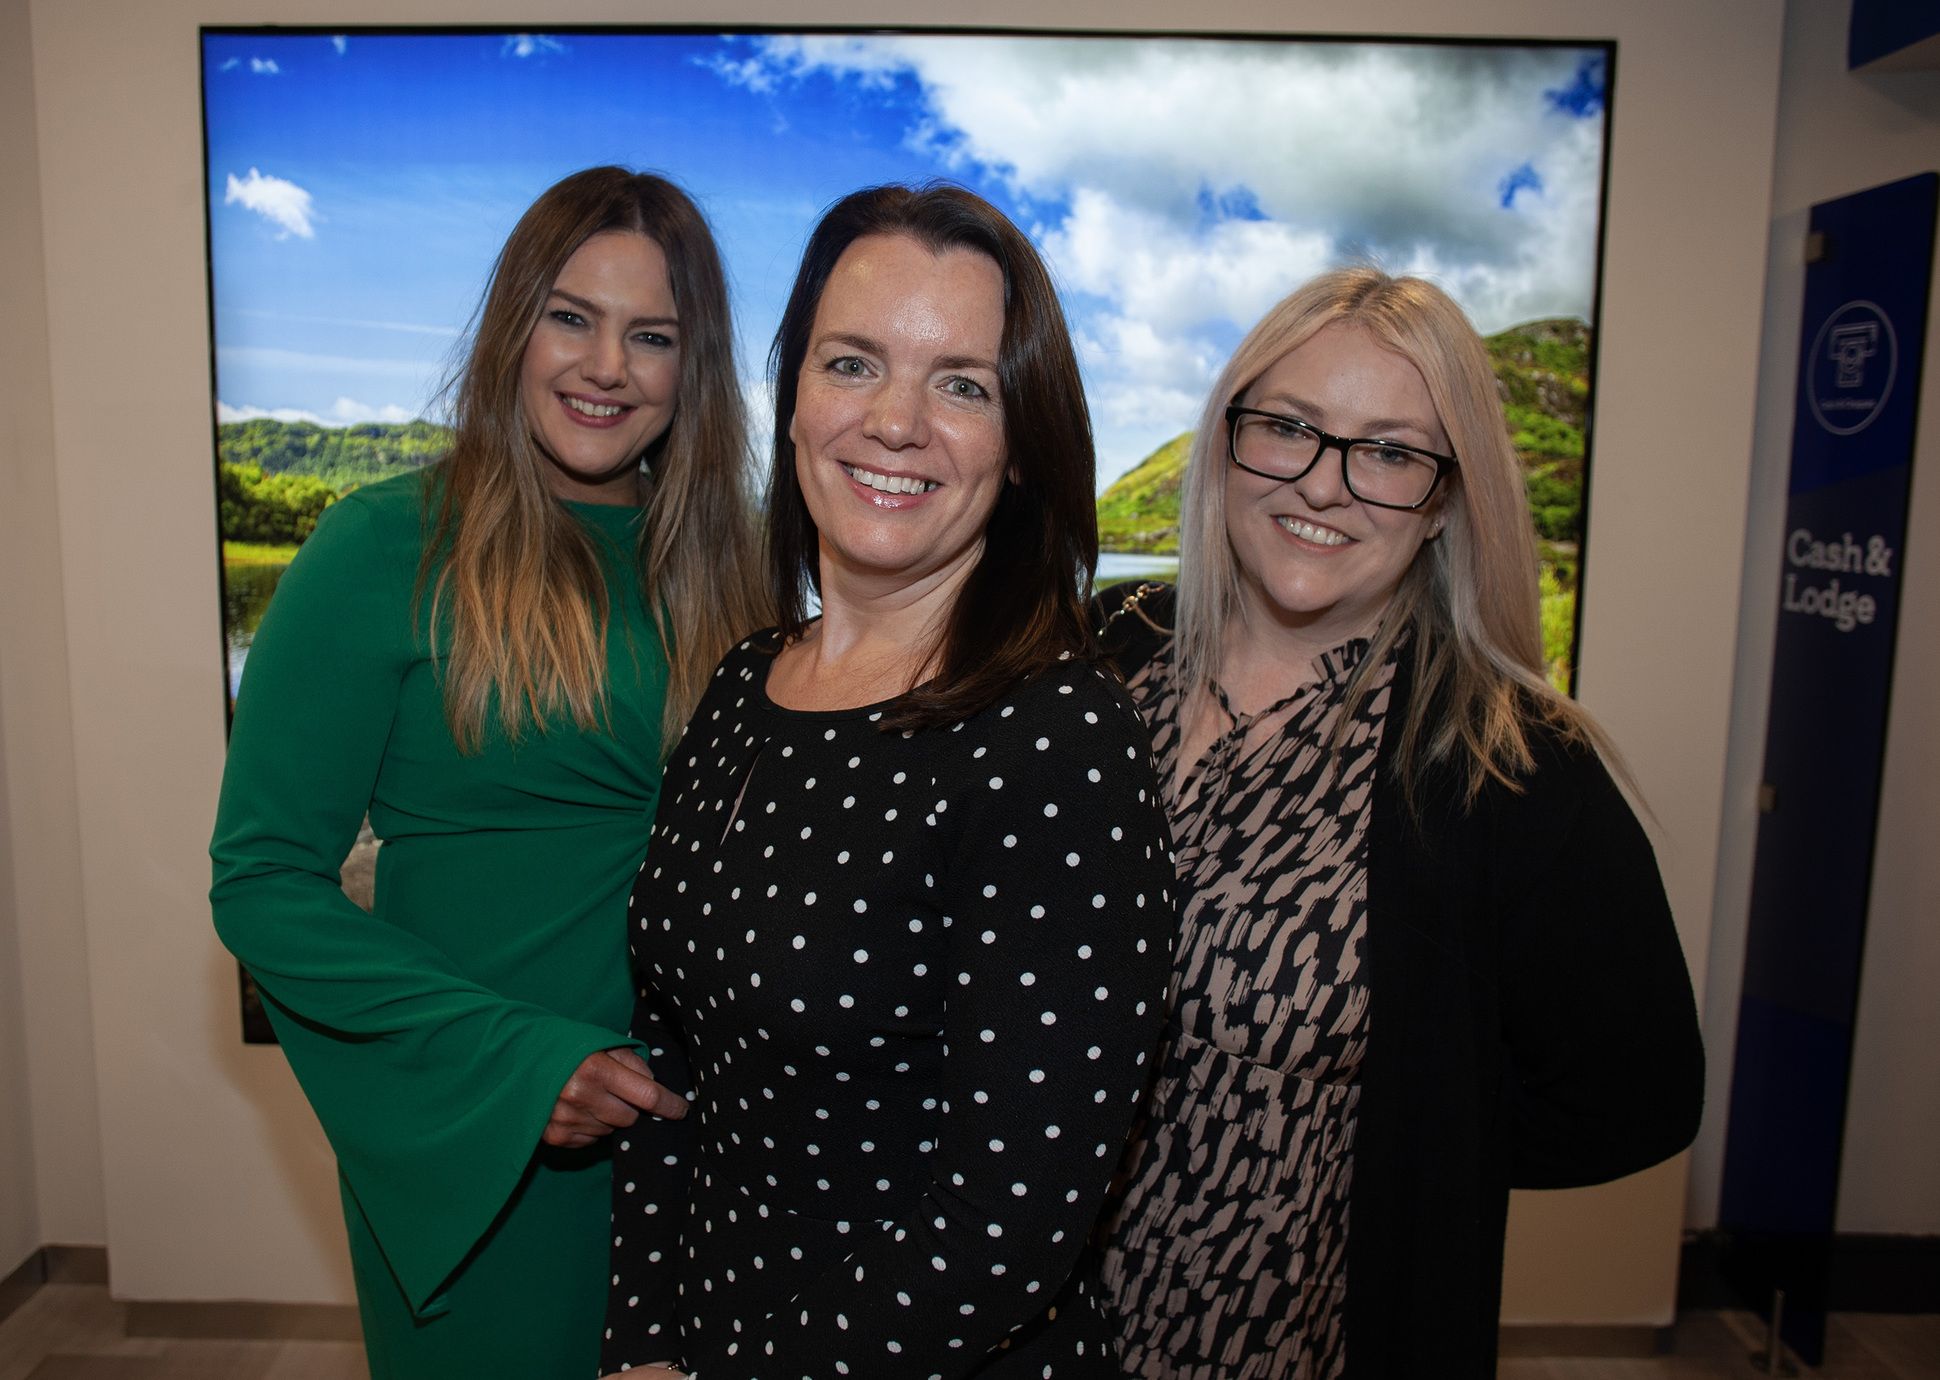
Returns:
point(1227, 1255)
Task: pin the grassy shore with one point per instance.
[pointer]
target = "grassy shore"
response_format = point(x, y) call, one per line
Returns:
point(256, 553)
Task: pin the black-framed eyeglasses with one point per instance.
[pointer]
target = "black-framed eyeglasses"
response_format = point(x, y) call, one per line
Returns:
point(1383, 473)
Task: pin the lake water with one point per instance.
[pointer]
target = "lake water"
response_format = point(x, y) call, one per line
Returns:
point(245, 594)
point(1114, 566)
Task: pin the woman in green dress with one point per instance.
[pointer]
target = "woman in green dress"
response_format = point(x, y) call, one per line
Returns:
point(487, 659)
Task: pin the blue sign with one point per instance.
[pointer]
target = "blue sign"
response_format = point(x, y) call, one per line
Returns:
point(1832, 667)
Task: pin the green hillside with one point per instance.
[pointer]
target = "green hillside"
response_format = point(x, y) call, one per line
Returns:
point(1542, 372)
point(342, 457)
point(274, 479)
point(1140, 511)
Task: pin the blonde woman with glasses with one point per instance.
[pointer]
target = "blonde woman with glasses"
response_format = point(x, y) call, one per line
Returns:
point(489, 659)
point(1425, 953)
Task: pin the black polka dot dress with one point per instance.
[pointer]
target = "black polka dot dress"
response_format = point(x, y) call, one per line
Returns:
point(913, 981)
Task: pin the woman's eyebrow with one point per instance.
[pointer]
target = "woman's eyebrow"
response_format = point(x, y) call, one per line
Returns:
point(1303, 409)
point(1380, 424)
point(965, 362)
point(594, 309)
point(871, 346)
point(590, 308)
point(852, 340)
point(1298, 406)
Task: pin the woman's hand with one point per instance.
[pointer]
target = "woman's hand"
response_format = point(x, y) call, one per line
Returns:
point(609, 1090)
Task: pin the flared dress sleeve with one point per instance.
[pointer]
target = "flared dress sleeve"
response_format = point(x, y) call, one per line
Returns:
point(432, 1088)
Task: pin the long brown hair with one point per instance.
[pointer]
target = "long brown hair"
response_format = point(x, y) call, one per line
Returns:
point(1022, 607)
point(517, 587)
point(1469, 603)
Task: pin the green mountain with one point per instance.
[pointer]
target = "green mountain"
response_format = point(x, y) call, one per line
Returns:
point(342, 457)
point(1140, 511)
point(1543, 379)
point(274, 479)
point(1542, 372)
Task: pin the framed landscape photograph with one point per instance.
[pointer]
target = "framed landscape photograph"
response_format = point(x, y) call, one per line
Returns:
point(361, 181)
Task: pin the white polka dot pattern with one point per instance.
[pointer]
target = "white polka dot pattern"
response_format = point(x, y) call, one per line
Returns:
point(917, 1032)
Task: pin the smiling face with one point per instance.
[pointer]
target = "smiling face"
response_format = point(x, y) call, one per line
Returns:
point(898, 427)
point(600, 373)
point(1311, 556)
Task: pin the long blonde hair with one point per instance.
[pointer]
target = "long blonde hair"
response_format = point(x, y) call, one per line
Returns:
point(515, 581)
point(1469, 602)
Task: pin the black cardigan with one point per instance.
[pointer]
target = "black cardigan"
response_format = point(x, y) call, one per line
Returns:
point(1531, 1026)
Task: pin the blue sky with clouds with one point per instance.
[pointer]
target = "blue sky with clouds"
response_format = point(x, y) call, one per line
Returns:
point(359, 185)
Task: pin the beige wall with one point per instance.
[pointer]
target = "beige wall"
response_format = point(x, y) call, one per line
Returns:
point(215, 1180)
point(19, 1203)
point(50, 1155)
point(1840, 133)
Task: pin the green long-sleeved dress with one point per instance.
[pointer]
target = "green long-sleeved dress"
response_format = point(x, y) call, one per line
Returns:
point(433, 1036)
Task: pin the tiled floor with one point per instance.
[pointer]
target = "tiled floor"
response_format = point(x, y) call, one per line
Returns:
point(75, 1332)
point(1717, 1346)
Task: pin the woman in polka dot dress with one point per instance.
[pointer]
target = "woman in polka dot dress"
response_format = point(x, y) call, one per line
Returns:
point(907, 911)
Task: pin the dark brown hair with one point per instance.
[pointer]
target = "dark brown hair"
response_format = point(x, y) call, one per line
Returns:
point(517, 580)
point(1022, 607)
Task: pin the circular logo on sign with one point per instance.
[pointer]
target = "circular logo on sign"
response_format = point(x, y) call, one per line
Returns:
point(1849, 373)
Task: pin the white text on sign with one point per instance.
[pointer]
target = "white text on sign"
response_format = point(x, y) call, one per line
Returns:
point(1847, 608)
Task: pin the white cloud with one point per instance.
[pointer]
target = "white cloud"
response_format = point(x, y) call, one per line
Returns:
point(1179, 189)
point(231, 65)
point(759, 400)
point(348, 412)
point(527, 45)
point(341, 43)
point(277, 200)
point(874, 62)
point(225, 414)
point(303, 364)
point(1173, 275)
point(1394, 152)
point(1142, 379)
point(359, 323)
point(755, 74)
point(345, 412)
point(265, 67)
